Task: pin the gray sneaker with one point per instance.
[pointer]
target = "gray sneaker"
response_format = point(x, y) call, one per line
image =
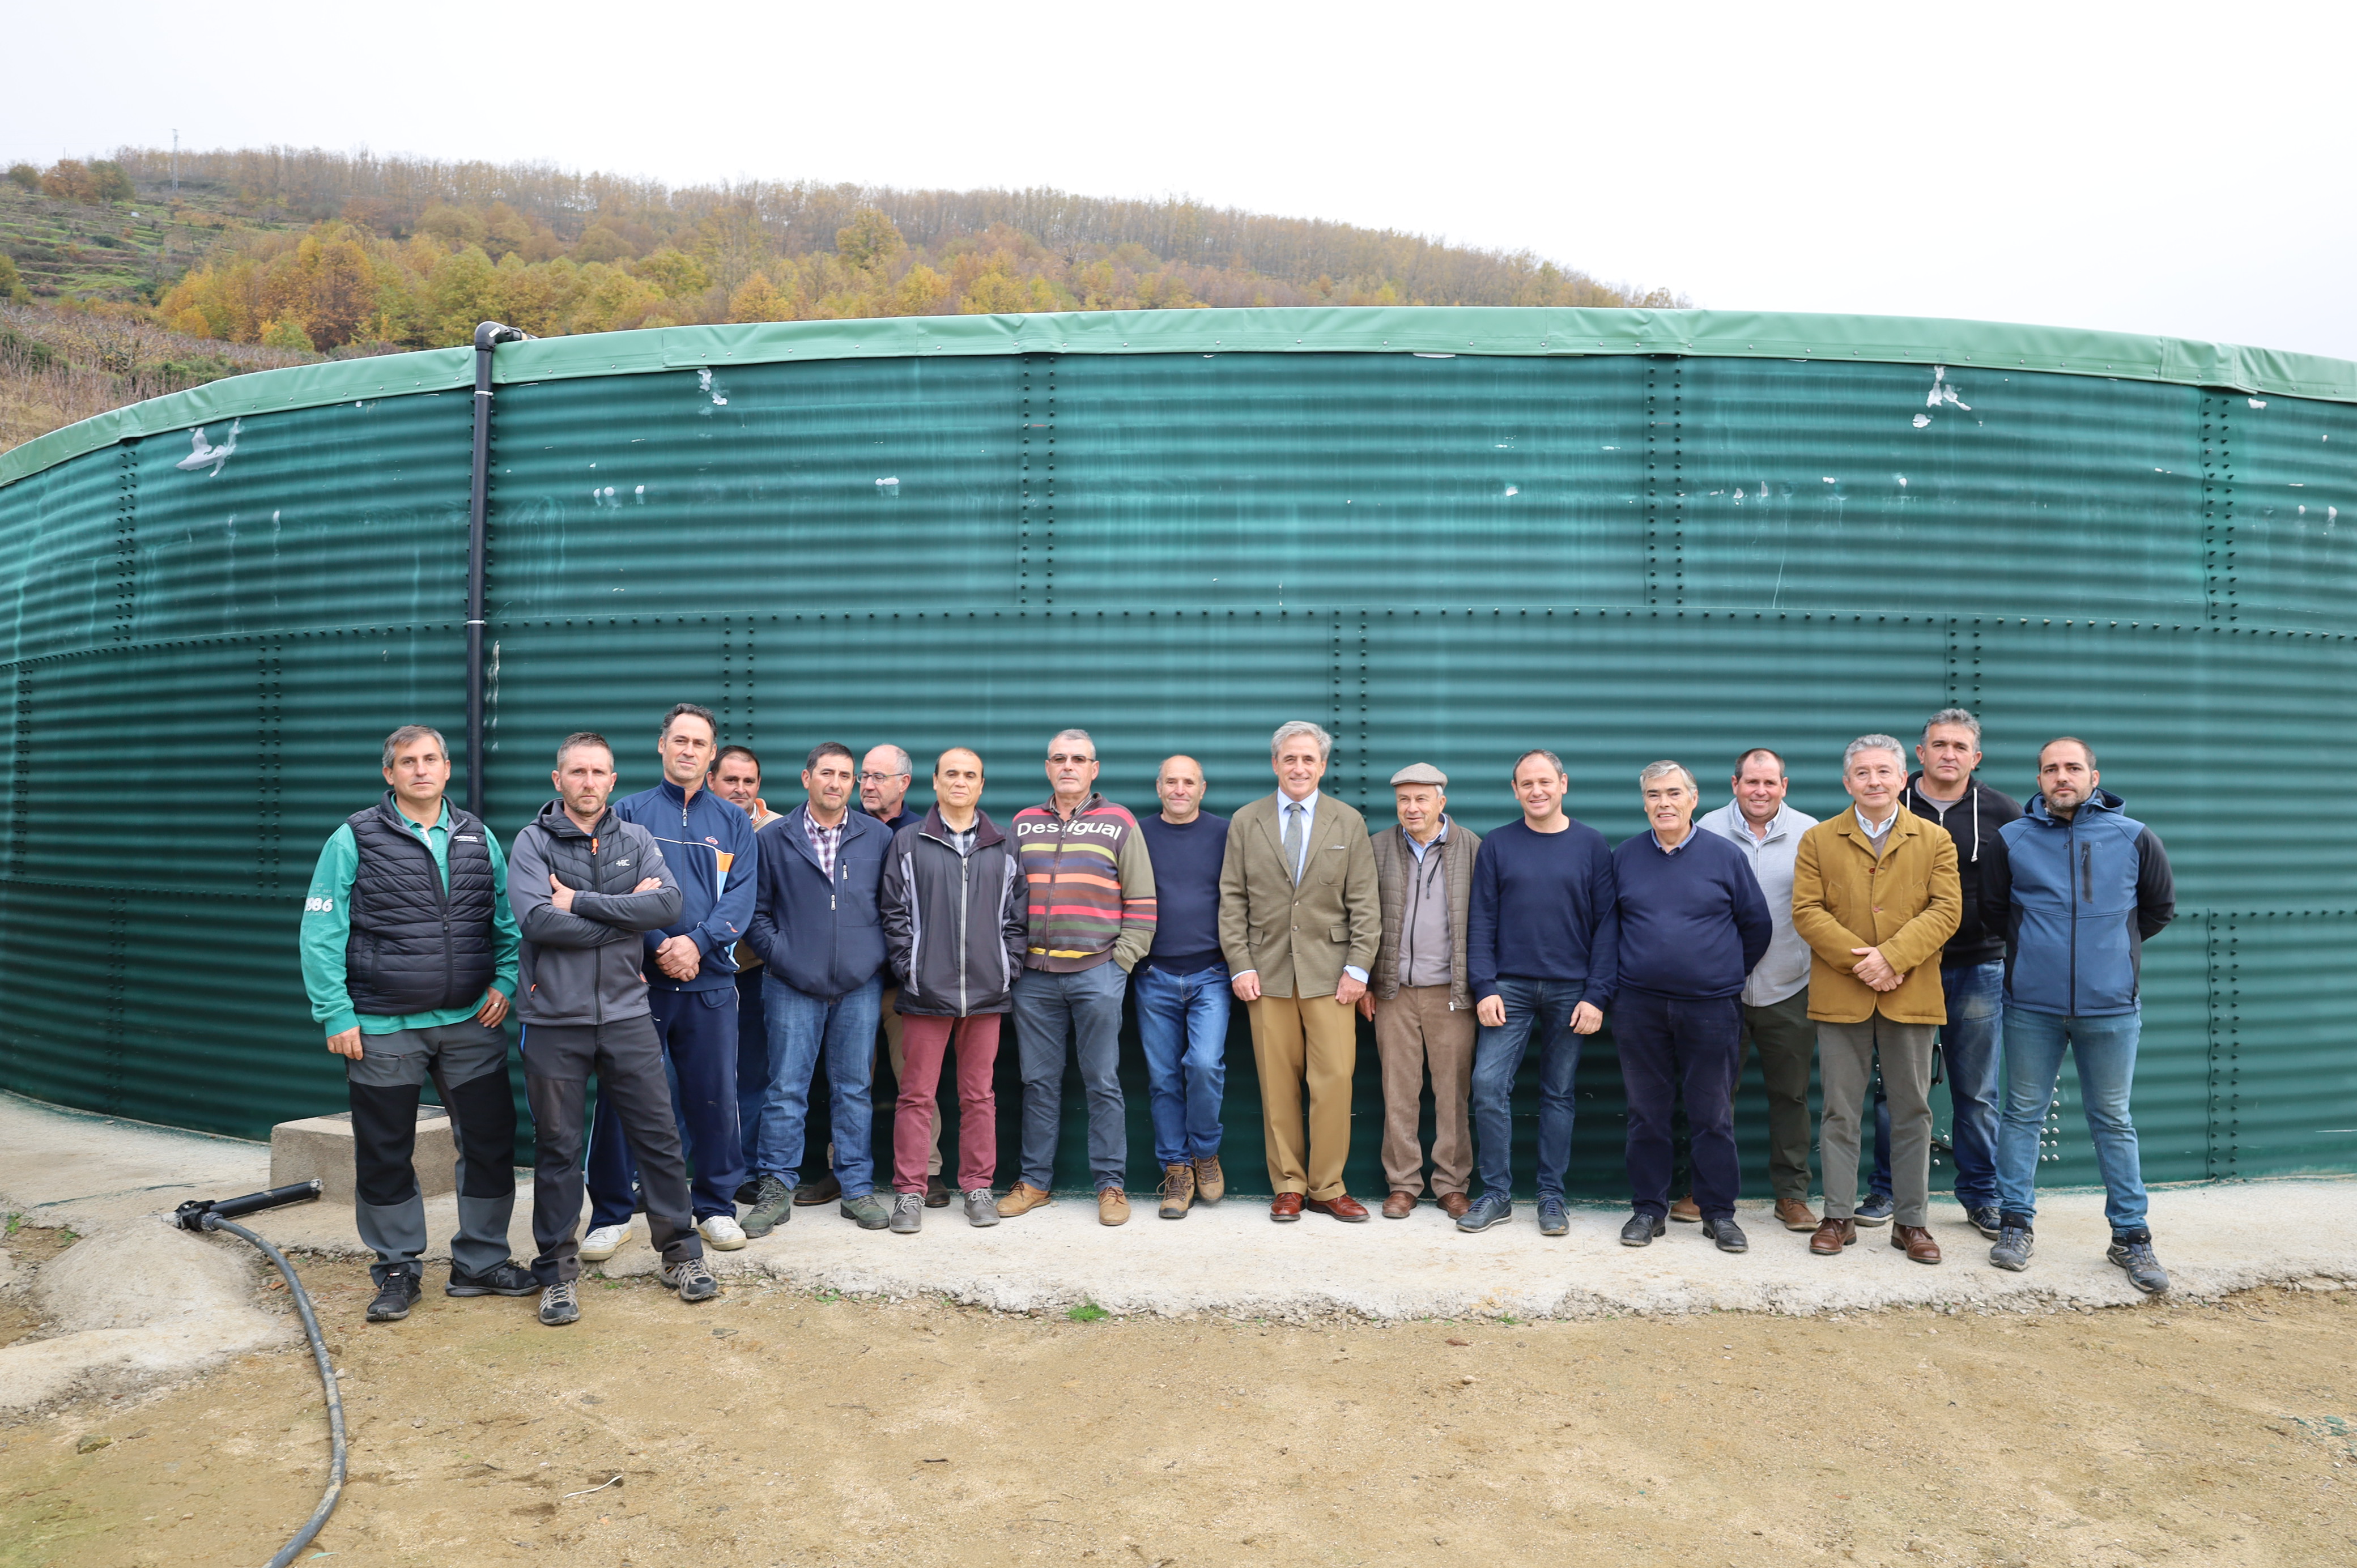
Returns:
point(907, 1213)
point(2014, 1245)
point(1488, 1210)
point(2144, 1270)
point(690, 1279)
point(981, 1208)
point(1553, 1220)
point(773, 1205)
point(868, 1210)
point(1727, 1234)
point(560, 1303)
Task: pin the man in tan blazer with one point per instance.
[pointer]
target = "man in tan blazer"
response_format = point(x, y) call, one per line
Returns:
point(1300, 924)
point(1875, 896)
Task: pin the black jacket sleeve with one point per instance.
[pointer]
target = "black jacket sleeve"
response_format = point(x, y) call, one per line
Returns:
point(2156, 887)
point(1997, 890)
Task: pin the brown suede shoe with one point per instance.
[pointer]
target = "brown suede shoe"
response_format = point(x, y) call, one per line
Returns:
point(1916, 1242)
point(1793, 1215)
point(1399, 1205)
point(1022, 1198)
point(1112, 1206)
point(1685, 1211)
point(1178, 1191)
point(1455, 1204)
point(1832, 1236)
point(1211, 1182)
point(1284, 1206)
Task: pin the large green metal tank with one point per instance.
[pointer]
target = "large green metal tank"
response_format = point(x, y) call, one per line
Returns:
point(1446, 534)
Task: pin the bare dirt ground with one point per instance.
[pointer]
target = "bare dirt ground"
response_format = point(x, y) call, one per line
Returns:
point(774, 1427)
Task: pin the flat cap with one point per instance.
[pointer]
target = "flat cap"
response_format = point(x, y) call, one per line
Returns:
point(1421, 773)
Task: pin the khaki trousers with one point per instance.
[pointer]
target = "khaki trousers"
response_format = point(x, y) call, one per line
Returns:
point(1846, 1057)
point(1416, 1030)
point(899, 1070)
point(1313, 1039)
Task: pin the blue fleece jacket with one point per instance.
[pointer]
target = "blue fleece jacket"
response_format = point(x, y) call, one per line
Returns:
point(823, 937)
point(1541, 908)
point(708, 843)
point(2076, 901)
point(1692, 922)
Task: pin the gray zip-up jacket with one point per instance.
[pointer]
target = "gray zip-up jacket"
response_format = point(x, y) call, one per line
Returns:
point(585, 965)
point(954, 924)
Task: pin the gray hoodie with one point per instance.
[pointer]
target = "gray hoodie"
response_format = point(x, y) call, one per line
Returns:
point(584, 966)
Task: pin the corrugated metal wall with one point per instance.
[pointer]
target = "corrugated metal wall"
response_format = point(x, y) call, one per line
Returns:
point(1442, 558)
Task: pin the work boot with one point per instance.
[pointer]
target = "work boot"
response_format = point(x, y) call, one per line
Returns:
point(690, 1279)
point(1022, 1198)
point(1211, 1182)
point(868, 1210)
point(560, 1303)
point(1112, 1206)
point(909, 1213)
point(509, 1278)
point(1178, 1191)
point(396, 1294)
point(773, 1205)
point(2144, 1270)
point(810, 1194)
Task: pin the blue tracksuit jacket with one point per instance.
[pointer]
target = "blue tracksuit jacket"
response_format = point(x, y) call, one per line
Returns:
point(708, 844)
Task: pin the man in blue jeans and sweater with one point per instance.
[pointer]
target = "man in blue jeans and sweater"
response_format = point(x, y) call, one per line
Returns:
point(1693, 925)
point(691, 970)
point(2081, 886)
point(818, 927)
point(1540, 940)
point(1181, 988)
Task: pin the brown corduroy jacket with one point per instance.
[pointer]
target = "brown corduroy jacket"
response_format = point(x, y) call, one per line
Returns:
point(1392, 861)
point(1905, 901)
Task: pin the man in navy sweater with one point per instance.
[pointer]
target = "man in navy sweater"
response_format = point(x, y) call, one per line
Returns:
point(1693, 924)
point(1540, 938)
point(1181, 989)
point(691, 972)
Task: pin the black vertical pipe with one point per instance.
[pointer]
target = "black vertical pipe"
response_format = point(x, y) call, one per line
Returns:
point(488, 337)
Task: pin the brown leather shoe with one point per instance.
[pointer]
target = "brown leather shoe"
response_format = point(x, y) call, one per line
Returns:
point(1341, 1206)
point(1399, 1205)
point(1832, 1236)
point(1685, 1211)
point(1916, 1242)
point(1284, 1206)
point(1022, 1198)
point(1112, 1206)
point(1178, 1189)
point(1211, 1182)
point(1455, 1204)
point(1794, 1215)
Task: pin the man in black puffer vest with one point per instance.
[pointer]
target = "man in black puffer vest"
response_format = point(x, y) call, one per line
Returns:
point(409, 954)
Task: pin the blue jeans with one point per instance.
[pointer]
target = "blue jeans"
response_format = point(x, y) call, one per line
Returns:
point(698, 1031)
point(2106, 1048)
point(1972, 1049)
point(1182, 1022)
point(802, 1028)
point(1546, 1006)
point(752, 1057)
point(1078, 1014)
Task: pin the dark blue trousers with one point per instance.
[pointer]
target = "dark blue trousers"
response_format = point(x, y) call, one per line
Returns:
point(1673, 1046)
point(698, 1030)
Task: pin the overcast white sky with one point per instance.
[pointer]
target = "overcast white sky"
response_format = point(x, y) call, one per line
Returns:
point(2148, 168)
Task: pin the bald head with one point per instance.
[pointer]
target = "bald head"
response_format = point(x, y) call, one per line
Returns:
point(1179, 784)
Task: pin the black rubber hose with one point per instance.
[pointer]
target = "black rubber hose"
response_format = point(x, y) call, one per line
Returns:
point(327, 1380)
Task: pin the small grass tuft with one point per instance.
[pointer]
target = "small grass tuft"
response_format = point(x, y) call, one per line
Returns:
point(1087, 1312)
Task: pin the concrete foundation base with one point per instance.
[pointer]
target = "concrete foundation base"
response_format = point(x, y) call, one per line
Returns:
point(321, 1147)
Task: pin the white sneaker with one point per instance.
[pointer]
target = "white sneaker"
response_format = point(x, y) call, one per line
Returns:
point(603, 1242)
point(721, 1230)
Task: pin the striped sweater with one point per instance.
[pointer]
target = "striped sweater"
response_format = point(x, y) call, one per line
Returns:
point(1092, 886)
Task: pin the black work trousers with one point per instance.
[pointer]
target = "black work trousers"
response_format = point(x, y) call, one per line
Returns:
point(626, 1058)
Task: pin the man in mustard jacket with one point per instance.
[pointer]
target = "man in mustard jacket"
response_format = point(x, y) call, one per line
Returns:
point(1299, 923)
point(1875, 896)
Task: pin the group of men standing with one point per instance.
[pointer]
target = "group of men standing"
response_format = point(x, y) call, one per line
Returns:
point(710, 961)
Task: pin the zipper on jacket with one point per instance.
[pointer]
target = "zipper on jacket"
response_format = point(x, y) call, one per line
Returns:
point(2070, 968)
point(965, 894)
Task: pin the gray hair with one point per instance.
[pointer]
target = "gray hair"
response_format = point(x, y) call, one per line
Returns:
point(1954, 716)
point(407, 733)
point(1662, 769)
point(1285, 732)
point(907, 767)
point(1080, 734)
point(1873, 743)
point(1551, 761)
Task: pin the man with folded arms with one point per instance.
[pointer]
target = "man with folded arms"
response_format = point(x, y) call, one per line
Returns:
point(1299, 923)
point(1693, 925)
point(1542, 936)
point(1419, 997)
point(1875, 896)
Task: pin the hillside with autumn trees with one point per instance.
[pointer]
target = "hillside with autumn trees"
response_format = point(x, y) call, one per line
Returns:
point(301, 254)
